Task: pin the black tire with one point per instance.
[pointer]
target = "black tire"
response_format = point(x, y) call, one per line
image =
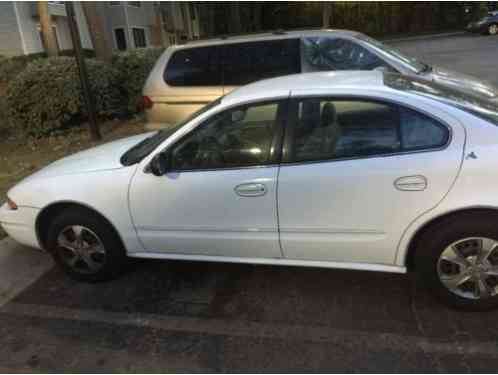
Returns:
point(115, 255)
point(492, 27)
point(437, 238)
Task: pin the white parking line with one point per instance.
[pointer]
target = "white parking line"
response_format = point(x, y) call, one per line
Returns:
point(20, 266)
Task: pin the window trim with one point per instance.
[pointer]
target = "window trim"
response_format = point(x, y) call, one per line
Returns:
point(276, 143)
point(292, 120)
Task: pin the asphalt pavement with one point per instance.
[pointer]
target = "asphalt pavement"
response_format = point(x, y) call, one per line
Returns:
point(207, 317)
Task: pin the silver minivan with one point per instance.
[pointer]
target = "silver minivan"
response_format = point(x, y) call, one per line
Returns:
point(187, 77)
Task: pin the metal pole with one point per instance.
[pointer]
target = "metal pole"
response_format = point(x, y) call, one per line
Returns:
point(85, 85)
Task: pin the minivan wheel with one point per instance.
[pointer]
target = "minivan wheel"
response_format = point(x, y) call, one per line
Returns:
point(85, 246)
point(458, 261)
point(493, 29)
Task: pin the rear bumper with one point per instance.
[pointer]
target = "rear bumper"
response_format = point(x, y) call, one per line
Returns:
point(20, 224)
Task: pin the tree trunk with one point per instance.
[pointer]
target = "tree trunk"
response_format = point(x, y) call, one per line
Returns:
point(326, 15)
point(158, 37)
point(49, 41)
point(96, 28)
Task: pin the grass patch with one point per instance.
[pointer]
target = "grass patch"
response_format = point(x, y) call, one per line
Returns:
point(20, 157)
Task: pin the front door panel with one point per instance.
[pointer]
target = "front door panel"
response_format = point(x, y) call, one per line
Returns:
point(203, 213)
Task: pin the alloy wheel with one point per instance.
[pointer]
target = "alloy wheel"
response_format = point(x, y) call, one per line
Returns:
point(493, 29)
point(81, 249)
point(469, 268)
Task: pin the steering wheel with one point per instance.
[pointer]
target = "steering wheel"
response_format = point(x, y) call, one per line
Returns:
point(209, 153)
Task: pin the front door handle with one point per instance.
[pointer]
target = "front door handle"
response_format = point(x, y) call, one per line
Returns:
point(250, 190)
point(411, 183)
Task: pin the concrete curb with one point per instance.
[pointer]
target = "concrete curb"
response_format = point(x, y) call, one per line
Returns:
point(422, 37)
point(20, 266)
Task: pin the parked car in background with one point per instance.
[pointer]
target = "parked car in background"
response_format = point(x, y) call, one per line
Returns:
point(486, 25)
point(353, 170)
point(187, 77)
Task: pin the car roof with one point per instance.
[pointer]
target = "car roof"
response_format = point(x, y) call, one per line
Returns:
point(279, 34)
point(282, 86)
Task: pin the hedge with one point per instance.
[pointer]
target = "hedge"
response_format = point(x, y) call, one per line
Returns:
point(134, 66)
point(47, 95)
point(12, 66)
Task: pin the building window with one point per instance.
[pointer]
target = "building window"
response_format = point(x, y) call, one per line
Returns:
point(114, 3)
point(139, 38)
point(135, 4)
point(120, 36)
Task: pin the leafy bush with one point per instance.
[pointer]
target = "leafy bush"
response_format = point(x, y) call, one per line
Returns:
point(134, 66)
point(47, 94)
point(10, 67)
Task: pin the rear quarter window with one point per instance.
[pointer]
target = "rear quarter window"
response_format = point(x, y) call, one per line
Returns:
point(194, 67)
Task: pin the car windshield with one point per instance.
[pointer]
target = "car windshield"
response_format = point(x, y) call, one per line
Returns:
point(476, 105)
point(394, 53)
point(142, 149)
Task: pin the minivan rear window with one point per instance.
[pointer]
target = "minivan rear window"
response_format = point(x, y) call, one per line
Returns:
point(252, 61)
point(233, 64)
point(194, 67)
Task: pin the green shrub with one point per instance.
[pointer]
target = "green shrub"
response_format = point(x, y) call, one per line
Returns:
point(12, 66)
point(47, 94)
point(134, 66)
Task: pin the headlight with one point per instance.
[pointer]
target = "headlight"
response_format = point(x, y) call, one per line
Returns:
point(12, 205)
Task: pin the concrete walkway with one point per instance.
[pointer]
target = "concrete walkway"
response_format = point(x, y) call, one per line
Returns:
point(20, 266)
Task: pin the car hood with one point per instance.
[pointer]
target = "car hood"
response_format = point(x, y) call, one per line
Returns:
point(465, 83)
point(103, 157)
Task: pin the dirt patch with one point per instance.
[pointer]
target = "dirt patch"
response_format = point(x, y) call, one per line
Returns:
point(20, 157)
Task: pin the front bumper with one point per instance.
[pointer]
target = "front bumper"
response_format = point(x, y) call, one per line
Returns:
point(477, 28)
point(20, 224)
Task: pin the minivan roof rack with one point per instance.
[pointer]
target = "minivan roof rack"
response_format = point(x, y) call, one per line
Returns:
point(262, 32)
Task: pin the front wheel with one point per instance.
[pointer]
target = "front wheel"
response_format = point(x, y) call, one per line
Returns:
point(85, 246)
point(458, 261)
point(493, 29)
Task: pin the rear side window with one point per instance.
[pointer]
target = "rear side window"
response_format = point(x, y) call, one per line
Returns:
point(248, 62)
point(420, 132)
point(194, 67)
point(328, 129)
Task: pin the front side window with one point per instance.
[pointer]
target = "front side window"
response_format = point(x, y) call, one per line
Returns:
point(324, 53)
point(248, 62)
point(194, 67)
point(239, 137)
point(335, 129)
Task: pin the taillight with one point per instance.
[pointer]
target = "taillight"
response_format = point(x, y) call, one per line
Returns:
point(147, 102)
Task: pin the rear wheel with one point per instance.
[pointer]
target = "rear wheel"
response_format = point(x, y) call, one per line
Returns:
point(458, 261)
point(493, 29)
point(85, 246)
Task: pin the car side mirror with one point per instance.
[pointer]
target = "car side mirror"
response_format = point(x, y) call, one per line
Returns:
point(160, 164)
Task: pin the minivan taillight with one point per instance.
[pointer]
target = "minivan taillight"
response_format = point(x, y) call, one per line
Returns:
point(147, 102)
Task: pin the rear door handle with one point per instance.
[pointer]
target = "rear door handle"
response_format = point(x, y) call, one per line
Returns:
point(411, 183)
point(250, 190)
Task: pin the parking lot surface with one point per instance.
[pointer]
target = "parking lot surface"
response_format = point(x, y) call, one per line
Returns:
point(194, 317)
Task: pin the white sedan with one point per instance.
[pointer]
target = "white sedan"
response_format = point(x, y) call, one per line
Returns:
point(353, 170)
